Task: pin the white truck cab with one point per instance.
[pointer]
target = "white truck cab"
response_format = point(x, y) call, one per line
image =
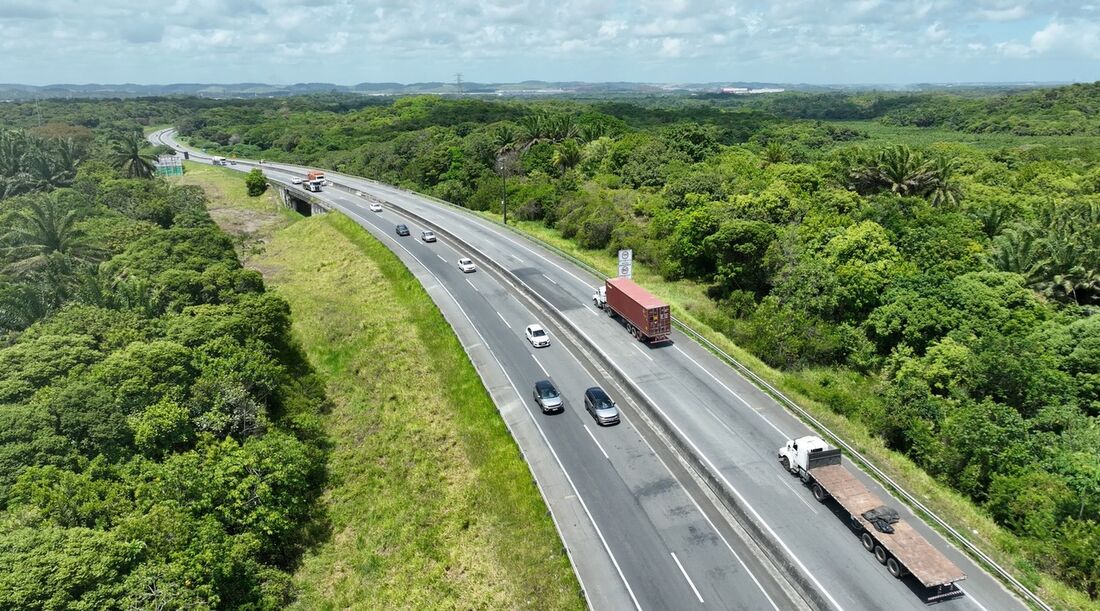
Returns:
point(599, 298)
point(796, 455)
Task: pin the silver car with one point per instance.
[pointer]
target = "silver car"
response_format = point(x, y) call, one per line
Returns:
point(600, 405)
point(547, 397)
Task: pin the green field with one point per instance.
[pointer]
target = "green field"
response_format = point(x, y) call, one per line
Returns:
point(430, 503)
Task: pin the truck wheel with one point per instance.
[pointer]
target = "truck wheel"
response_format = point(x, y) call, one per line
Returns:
point(894, 567)
point(785, 462)
point(880, 554)
point(820, 494)
point(868, 541)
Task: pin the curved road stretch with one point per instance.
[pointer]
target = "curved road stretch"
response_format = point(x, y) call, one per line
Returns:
point(668, 544)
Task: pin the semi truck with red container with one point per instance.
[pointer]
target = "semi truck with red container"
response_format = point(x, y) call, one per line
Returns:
point(893, 541)
point(646, 317)
point(313, 181)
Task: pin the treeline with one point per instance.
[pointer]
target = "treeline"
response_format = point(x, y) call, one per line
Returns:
point(945, 297)
point(160, 444)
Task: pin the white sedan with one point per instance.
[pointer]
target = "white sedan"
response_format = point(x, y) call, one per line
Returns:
point(466, 265)
point(375, 207)
point(427, 236)
point(296, 181)
point(537, 336)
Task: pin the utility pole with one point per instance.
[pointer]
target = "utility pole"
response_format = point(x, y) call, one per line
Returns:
point(458, 82)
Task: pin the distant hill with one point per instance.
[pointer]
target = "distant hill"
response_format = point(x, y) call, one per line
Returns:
point(17, 92)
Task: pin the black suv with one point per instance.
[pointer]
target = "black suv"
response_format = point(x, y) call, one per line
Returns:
point(601, 406)
point(402, 230)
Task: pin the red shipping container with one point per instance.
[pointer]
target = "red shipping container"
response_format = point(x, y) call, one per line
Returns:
point(646, 316)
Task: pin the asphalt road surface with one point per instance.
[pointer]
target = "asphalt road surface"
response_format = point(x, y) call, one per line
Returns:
point(670, 546)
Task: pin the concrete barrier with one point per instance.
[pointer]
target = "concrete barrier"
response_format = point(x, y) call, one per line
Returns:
point(801, 582)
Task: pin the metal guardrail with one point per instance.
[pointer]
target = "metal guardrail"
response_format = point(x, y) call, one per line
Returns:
point(766, 387)
point(787, 402)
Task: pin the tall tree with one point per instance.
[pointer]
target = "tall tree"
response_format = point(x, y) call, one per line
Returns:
point(129, 157)
point(43, 229)
point(942, 188)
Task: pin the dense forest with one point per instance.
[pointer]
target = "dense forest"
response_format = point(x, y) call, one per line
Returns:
point(944, 296)
point(159, 438)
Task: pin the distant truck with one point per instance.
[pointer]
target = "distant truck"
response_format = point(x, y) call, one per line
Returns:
point(647, 318)
point(216, 160)
point(312, 185)
point(315, 175)
point(892, 540)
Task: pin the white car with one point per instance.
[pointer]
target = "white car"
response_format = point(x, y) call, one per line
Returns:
point(466, 265)
point(295, 181)
point(427, 236)
point(537, 336)
point(375, 207)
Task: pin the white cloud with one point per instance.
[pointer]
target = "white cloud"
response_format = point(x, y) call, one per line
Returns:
point(410, 40)
point(1068, 39)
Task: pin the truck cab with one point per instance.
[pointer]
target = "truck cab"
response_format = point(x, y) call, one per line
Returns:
point(599, 298)
point(800, 455)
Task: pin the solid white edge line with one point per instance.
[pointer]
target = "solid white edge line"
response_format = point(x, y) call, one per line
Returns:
point(709, 521)
point(730, 391)
point(504, 321)
point(971, 597)
point(694, 447)
point(791, 488)
point(686, 493)
point(595, 441)
point(542, 434)
point(740, 497)
point(695, 502)
point(685, 574)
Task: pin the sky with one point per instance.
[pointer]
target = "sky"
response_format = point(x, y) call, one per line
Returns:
point(658, 41)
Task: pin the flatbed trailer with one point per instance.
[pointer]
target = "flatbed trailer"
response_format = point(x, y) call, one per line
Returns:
point(904, 551)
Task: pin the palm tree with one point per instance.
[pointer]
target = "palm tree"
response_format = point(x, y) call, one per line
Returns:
point(13, 147)
point(43, 230)
point(903, 171)
point(776, 152)
point(993, 219)
point(23, 303)
point(68, 157)
point(567, 155)
point(1020, 250)
point(128, 156)
point(942, 188)
point(503, 137)
point(541, 126)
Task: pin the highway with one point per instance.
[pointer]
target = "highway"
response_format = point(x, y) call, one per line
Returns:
point(668, 543)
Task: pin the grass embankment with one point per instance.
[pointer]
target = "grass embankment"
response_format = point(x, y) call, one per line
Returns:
point(811, 388)
point(430, 502)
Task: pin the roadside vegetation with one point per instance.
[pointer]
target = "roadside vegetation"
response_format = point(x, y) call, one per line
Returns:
point(922, 269)
point(430, 504)
point(160, 435)
point(937, 295)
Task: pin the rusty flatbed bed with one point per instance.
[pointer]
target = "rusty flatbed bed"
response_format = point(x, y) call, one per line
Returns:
point(919, 557)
